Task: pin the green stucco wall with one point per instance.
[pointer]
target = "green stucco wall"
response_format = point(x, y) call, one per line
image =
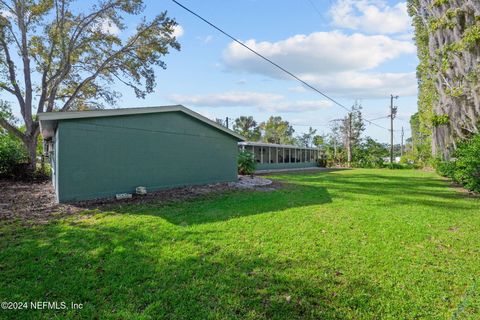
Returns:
point(293, 165)
point(100, 157)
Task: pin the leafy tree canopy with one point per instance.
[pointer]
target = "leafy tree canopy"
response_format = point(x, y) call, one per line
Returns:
point(306, 139)
point(277, 130)
point(247, 127)
point(55, 57)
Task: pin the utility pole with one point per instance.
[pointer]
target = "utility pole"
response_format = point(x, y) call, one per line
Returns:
point(393, 112)
point(401, 146)
point(226, 122)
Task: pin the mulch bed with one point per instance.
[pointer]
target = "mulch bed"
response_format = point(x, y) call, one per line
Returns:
point(35, 201)
point(30, 201)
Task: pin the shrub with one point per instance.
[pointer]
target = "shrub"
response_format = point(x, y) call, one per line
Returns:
point(400, 166)
point(394, 165)
point(445, 168)
point(329, 163)
point(13, 157)
point(467, 164)
point(368, 162)
point(246, 163)
point(322, 162)
point(465, 169)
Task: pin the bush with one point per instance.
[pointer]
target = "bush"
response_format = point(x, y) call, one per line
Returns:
point(322, 162)
point(246, 163)
point(400, 166)
point(394, 165)
point(467, 164)
point(445, 168)
point(465, 169)
point(13, 157)
point(369, 162)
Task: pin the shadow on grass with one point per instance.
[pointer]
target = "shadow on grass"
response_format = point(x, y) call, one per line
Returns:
point(127, 273)
point(129, 268)
point(392, 189)
point(232, 205)
point(305, 189)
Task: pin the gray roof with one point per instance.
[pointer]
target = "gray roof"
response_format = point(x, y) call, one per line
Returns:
point(265, 144)
point(49, 120)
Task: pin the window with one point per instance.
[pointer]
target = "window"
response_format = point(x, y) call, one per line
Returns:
point(258, 154)
point(265, 155)
point(274, 155)
point(279, 155)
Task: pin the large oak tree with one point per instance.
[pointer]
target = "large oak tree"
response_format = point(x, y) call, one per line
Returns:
point(55, 55)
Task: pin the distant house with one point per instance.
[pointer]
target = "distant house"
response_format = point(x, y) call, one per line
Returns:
point(269, 156)
point(96, 154)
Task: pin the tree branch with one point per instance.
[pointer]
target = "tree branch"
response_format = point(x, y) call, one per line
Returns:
point(9, 90)
point(20, 8)
point(11, 73)
point(11, 128)
point(103, 66)
point(85, 22)
point(44, 85)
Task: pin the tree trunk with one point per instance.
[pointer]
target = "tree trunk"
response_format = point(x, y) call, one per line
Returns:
point(31, 146)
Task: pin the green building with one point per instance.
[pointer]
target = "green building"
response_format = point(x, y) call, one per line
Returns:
point(97, 154)
point(269, 156)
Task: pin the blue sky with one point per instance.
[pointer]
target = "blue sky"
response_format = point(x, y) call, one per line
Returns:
point(349, 49)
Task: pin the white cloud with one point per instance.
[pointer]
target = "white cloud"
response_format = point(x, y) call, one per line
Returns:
point(320, 52)
point(227, 99)
point(178, 31)
point(262, 101)
point(340, 64)
point(298, 106)
point(364, 85)
point(372, 16)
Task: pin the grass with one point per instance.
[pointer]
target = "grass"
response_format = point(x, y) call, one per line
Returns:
point(351, 244)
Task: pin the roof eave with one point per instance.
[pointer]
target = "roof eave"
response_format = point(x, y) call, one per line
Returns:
point(48, 120)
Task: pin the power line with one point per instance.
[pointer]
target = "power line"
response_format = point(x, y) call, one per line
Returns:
point(261, 56)
point(369, 121)
point(384, 117)
point(271, 62)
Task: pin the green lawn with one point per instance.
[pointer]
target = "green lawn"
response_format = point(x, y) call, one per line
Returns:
point(352, 244)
